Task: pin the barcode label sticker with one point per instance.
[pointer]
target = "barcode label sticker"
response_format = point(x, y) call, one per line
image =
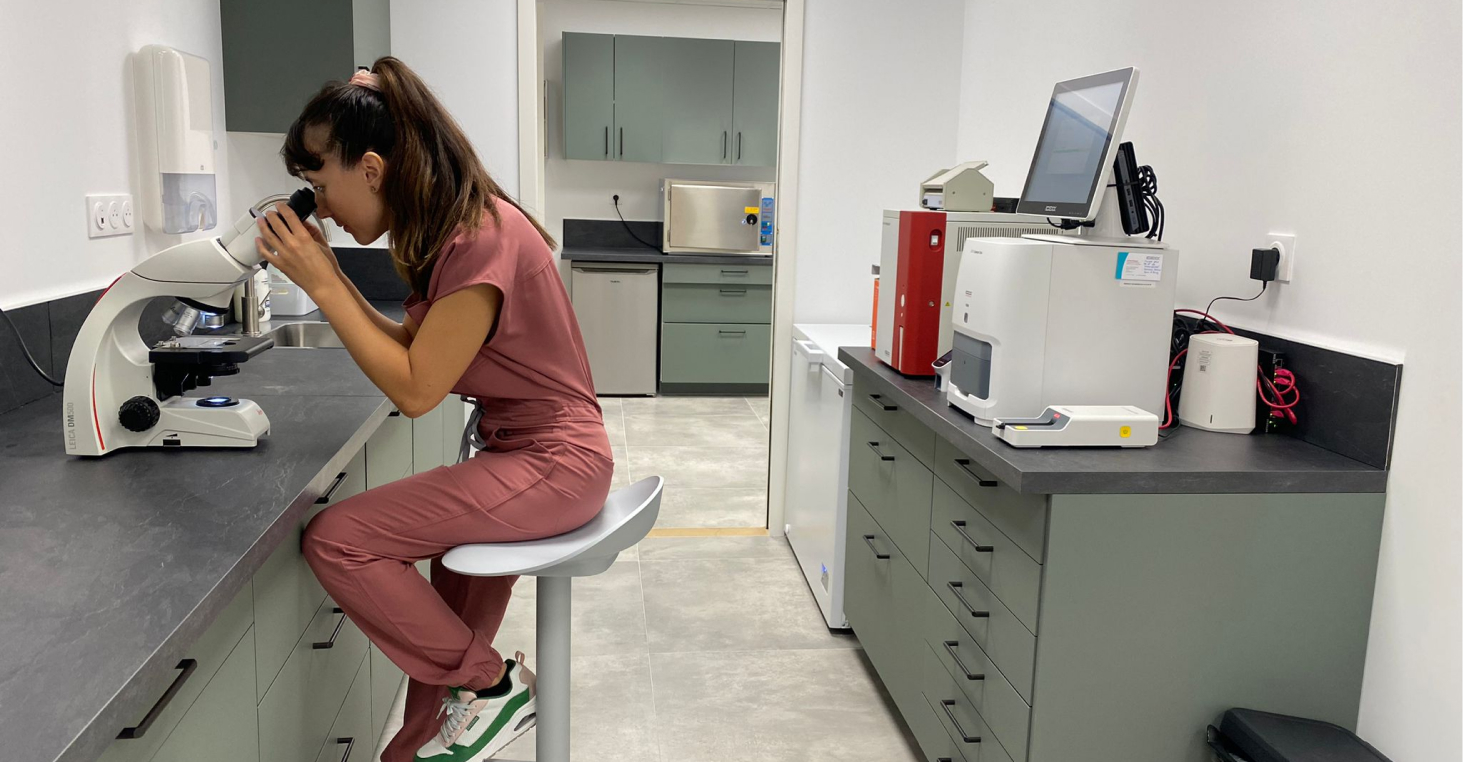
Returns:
point(1143, 269)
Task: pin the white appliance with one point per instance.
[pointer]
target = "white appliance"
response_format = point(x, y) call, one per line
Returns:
point(1219, 383)
point(961, 188)
point(175, 140)
point(1081, 426)
point(1066, 322)
point(617, 306)
point(704, 217)
point(819, 408)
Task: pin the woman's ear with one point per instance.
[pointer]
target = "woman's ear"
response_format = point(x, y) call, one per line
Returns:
point(374, 169)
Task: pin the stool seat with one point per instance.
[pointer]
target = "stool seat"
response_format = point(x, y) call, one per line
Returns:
point(628, 515)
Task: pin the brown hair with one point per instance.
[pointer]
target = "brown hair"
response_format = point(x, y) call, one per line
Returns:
point(434, 181)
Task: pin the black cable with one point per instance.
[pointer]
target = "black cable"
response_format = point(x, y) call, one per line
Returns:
point(1208, 311)
point(629, 230)
point(26, 351)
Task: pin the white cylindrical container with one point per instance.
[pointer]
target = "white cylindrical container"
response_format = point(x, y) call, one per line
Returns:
point(286, 298)
point(1219, 383)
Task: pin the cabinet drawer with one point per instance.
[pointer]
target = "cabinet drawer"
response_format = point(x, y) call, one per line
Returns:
point(221, 726)
point(987, 690)
point(876, 602)
point(961, 720)
point(1006, 569)
point(386, 680)
point(989, 623)
point(304, 700)
point(286, 593)
point(905, 428)
point(211, 650)
point(388, 453)
point(1020, 517)
point(934, 742)
point(710, 303)
point(350, 738)
point(893, 486)
point(723, 275)
point(715, 353)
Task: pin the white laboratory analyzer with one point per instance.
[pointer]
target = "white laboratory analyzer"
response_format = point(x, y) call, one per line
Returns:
point(1048, 320)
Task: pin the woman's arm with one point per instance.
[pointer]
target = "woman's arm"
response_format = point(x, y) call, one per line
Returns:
point(416, 377)
point(392, 328)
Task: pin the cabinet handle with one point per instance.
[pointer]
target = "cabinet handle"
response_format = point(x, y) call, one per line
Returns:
point(731, 333)
point(960, 527)
point(964, 736)
point(607, 140)
point(739, 146)
point(350, 743)
point(733, 291)
point(964, 464)
point(723, 144)
point(622, 142)
point(950, 646)
point(330, 491)
point(734, 272)
point(331, 643)
point(394, 414)
point(878, 400)
point(868, 538)
point(187, 665)
point(955, 588)
point(875, 447)
point(613, 270)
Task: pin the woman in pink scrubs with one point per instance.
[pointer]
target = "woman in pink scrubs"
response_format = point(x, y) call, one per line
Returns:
point(488, 318)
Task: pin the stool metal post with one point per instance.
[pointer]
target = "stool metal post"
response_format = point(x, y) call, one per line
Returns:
point(555, 605)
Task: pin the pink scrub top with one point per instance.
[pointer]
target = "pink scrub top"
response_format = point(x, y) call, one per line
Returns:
point(532, 373)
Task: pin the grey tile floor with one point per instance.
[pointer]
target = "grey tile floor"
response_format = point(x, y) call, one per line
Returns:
point(706, 649)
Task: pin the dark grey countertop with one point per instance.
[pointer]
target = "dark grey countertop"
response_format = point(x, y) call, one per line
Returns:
point(1189, 461)
point(643, 255)
point(111, 567)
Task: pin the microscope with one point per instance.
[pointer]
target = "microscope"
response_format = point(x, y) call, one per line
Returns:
point(122, 393)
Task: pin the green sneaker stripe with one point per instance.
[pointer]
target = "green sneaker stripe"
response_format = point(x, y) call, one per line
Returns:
point(505, 714)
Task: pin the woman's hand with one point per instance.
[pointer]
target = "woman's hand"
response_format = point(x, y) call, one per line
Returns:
point(297, 249)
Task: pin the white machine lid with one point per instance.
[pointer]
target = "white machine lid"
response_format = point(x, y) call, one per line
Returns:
point(828, 337)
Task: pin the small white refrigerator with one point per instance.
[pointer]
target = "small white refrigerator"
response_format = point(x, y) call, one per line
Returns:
point(817, 470)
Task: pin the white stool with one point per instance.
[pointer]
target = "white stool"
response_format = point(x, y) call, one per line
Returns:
point(627, 517)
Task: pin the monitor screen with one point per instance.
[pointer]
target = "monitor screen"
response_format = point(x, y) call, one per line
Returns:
point(1074, 154)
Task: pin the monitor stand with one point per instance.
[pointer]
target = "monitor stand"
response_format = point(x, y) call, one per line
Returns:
point(1106, 230)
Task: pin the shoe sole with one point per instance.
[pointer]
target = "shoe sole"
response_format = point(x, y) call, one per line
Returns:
point(526, 717)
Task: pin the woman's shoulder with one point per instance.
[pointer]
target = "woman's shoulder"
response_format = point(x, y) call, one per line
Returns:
point(510, 242)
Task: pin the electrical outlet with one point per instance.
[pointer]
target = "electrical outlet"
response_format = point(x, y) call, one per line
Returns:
point(107, 216)
point(1286, 243)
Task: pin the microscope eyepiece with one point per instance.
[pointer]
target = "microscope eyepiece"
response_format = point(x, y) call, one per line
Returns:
point(302, 202)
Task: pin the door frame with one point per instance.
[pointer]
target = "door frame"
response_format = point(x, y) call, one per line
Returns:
point(531, 118)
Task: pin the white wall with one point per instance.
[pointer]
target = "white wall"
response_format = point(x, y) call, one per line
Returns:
point(66, 121)
point(879, 108)
point(1332, 121)
point(467, 51)
point(582, 189)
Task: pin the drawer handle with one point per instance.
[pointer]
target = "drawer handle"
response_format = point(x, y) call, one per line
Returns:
point(950, 646)
point(331, 643)
point(394, 414)
point(960, 527)
point(350, 743)
point(187, 665)
point(735, 272)
point(964, 736)
point(330, 491)
point(878, 400)
point(730, 333)
point(955, 588)
point(964, 464)
point(868, 538)
point(875, 447)
point(732, 291)
point(615, 270)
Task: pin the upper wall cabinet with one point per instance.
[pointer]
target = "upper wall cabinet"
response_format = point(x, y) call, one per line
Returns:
point(670, 100)
point(277, 54)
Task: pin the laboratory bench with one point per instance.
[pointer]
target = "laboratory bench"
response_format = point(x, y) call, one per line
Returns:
point(165, 589)
point(1099, 603)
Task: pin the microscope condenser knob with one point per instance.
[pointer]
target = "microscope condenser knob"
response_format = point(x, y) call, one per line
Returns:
point(138, 414)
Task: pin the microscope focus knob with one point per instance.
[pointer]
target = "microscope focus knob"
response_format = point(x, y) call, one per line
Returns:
point(138, 414)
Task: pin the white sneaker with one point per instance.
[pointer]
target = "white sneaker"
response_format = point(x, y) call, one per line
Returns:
point(476, 727)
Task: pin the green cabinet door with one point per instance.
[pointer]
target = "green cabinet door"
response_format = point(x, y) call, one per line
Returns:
point(589, 95)
point(697, 95)
point(754, 118)
point(639, 105)
point(222, 725)
point(271, 69)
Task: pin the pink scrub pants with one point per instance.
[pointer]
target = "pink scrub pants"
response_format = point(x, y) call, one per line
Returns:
point(532, 480)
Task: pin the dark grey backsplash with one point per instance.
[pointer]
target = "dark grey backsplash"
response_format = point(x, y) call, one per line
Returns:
point(372, 272)
point(19, 384)
point(610, 234)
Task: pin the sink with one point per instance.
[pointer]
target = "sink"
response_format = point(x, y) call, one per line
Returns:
point(305, 335)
